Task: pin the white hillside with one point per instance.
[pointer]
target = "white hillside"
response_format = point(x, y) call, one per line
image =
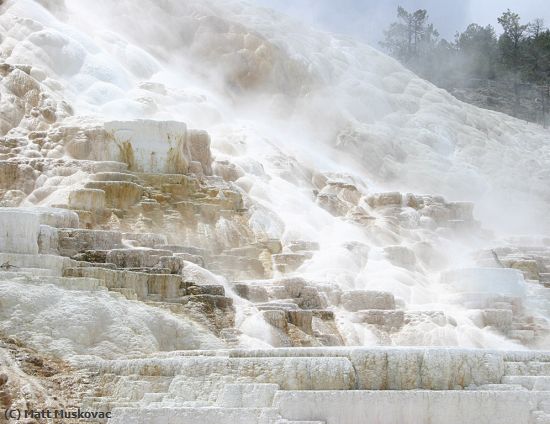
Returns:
point(187, 185)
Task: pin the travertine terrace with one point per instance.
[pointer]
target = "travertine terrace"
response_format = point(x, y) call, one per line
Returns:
point(165, 259)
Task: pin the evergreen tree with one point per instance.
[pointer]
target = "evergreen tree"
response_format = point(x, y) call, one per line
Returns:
point(536, 65)
point(522, 52)
point(478, 51)
point(412, 40)
point(404, 37)
point(510, 42)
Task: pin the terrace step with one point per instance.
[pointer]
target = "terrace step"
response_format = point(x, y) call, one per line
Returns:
point(529, 368)
point(194, 415)
point(530, 382)
point(396, 406)
point(539, 417)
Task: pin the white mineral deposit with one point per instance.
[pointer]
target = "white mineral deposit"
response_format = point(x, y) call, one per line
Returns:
point(212, 213)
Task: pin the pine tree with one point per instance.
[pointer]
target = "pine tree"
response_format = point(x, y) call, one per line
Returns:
point(413, 41)
point(510, 42)
point(478, 51)
point(403, 38)
point(536, 65)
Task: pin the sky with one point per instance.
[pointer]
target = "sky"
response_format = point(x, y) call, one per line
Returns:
point(366, 19)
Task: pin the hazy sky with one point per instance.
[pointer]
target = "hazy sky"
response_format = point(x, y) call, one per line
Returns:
point(366, 19)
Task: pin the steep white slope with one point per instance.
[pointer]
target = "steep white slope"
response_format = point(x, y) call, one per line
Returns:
point(287, 105)
point(100, 325)
point(229, 62)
